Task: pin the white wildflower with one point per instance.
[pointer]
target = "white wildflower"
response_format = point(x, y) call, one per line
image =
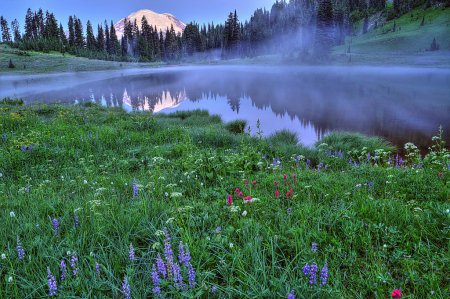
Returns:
point(231, 245)
point(244, 213)
point(10, 279)
point(3, 256)
point(170, 220)
point(12, 214)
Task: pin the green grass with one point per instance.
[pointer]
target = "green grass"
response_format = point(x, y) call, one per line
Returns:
point(377, 227)
point(55, 62)
point(405, 46)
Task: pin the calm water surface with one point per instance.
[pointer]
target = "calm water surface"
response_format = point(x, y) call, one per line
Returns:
point(399, 104)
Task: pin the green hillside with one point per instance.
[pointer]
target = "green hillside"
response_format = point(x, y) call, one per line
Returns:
point(410, 38)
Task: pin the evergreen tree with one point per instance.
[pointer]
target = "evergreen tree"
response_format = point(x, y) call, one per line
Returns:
point(79, 38)
point(62, 36)
point(100, 39)
point(6, 35)
point(236, 38)
point(366, 22)
point(40, 23)
point(29, 20)
point(396, 6)
point(107, 39)
point(115, 45)
point(16, 30)
point(90, 38)
point(161, 45)
point(323, 41)
point(71, 32)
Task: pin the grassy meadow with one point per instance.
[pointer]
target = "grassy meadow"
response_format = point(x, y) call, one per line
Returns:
point(100, 203)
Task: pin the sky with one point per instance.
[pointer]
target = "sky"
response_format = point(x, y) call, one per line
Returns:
point(200, 11)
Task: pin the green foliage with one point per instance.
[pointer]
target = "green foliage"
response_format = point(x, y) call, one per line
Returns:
point(236, 126)
point(389, 219)
point(10, 101)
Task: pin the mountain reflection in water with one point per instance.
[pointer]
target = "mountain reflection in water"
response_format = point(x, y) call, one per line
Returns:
point(401, 105)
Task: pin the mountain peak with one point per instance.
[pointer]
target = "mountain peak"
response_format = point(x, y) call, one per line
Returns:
point(161, 21)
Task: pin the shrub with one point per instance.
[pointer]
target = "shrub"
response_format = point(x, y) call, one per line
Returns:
point(11, 64)
point(236, 126)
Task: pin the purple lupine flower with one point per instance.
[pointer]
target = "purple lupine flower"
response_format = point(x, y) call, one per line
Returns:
point(177, 278)
point(73, 265)
point(368, 157)
point(51, 283)
point(308, 162)
point(55, 226)
point(126, 288)
point(324, 274)
point(191, 276)
point(155, 279)
point(291, 295)
point(306, 270)
point(51, 138)
point(20, 250)
point(135, 188)
point(218, 230)
point(167, 249)
point(314, 247)
point(97, 268)
point(77, 154)
point(213, 289)
point(63, 269)
point(184, 257)
point(340, 154)
point(161, 266)
point(131, 253)
point(76, 219)
point(312, 274)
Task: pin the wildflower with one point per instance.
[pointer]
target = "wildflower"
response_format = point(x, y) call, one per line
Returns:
point(244, 213)
point(126, 288)
point(63, 269)
point(3, 256)
point(254, 183)
point(447, 211)
point(135, 188)
point(241, 194)
point(359, 185)
point(237, 191)
point(291, 295)
point(73, 265)
point(20, 250)
point(161, 266)
point(276, 184)
point(76, 219)
point(289, 211)
point(213, 289)
point(432, 292)
point(231, 245)
point(183, 257)
point(276, 194)
point(51, 283)
point(287, 194)
point(314, 247)
point(155, 279)
point(55, 226)
point(396, 294)
point(131, 253)
point(324, 274)
point(312, 274)
point(10, 279)
point(229, 201)
point(168, 252)
point(326, 195)
point(218, 230)
point(440, 175)
point(191, 274)
point(12, 214)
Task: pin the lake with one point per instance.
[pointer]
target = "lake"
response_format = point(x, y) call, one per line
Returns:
point(400, 104)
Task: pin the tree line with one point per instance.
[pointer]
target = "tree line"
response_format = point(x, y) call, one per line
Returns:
point(304, 26)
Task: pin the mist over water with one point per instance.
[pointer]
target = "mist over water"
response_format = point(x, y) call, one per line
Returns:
point(399, 104)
